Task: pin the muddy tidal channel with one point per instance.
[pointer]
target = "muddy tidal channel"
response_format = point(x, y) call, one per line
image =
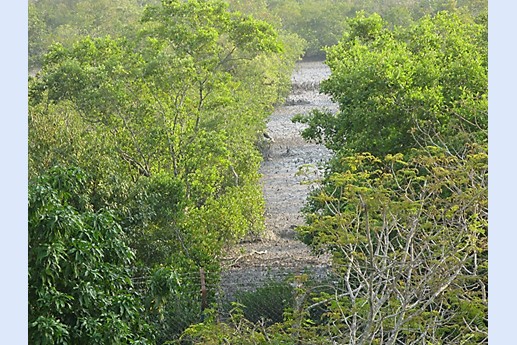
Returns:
point(289, 169)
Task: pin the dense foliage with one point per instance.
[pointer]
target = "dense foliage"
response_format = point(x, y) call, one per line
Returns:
point(407, 226)
point(139, 113)
point(144, 126)
point(426, 84)
point(80, 291)
point(165, 122)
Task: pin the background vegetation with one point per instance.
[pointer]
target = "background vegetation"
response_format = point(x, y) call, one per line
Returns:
point(145, 119)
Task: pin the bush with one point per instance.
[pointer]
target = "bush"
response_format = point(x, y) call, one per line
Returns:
point(267, 303)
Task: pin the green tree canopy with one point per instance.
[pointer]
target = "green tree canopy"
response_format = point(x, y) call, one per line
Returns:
point(66, 21)
point(421, 85)
point(408, 234)
point(165, 122)
point(80, 291)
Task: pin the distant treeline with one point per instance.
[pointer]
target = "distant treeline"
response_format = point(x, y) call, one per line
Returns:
point(319, 22)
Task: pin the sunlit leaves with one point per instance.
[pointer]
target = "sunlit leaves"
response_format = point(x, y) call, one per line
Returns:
point(164, 121)
point(421, 85)
point(187, 98)
point(408, 234)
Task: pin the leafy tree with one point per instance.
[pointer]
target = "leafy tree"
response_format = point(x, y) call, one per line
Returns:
point(80, 291)
point(196, 81)
point(422, 85)
point(408, 234)
point(166, 122)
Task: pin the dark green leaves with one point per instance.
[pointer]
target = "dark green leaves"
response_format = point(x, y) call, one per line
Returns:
point(78, 266)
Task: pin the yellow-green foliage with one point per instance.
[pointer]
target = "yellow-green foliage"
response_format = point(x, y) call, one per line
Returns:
point(165, 121)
